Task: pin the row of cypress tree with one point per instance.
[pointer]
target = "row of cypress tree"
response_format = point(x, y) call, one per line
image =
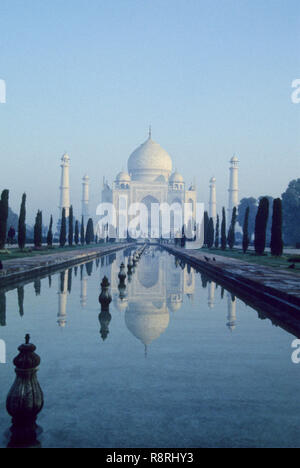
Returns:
point(4, 216)
point(212, 236)
point(86, 236)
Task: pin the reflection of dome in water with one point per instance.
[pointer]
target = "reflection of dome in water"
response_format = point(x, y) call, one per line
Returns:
point(148, 273)
point(120, 304)
point(145, 321)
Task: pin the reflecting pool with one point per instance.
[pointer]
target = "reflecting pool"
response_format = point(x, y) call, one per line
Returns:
point(176, 362)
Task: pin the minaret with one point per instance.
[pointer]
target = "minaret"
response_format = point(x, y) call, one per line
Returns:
point(85, 198)
point(233, 186)
point(213, 200)
point(65, 185)
point(231, 317)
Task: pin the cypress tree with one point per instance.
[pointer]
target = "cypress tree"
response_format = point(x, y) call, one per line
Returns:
point(71, 227)
point(206, 223)
point(223, 230)
point(76, 236)
point(3, 217)
point(63, 229)
point(89, 236)
point(38, 230)
point(246, 230)
point(210, 233)
point(261, 226)
point(231, 232)
point(82, 231)
point(22, 224)
point(217, 236)
point(50, 234)
point(276, 236)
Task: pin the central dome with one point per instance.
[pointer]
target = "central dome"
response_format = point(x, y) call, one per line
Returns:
point(149, 162)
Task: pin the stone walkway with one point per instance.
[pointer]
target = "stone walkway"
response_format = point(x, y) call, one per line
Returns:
point(18, 268)
point(284, 284)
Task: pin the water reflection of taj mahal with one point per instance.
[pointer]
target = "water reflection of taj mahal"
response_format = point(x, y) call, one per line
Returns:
point(156, 289)
point(153, 292)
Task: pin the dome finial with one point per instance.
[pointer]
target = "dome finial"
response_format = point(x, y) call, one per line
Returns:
point(150, 132)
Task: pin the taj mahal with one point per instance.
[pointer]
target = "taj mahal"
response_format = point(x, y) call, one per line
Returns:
point(150, 180)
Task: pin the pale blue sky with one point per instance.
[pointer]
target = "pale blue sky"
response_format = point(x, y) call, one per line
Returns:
point(213, 78)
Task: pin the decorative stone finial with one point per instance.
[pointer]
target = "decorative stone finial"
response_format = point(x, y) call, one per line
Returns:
point(25, 399)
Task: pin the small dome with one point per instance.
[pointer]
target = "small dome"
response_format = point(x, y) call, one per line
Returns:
point(234, 158)
point(86, 177)
point(176, 177)
point(123, 177)
point(65, 157)
point(213, 180)
point(145, 321)
point(174, 305)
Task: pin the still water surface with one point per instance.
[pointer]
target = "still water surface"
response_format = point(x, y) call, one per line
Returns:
point(179, 362)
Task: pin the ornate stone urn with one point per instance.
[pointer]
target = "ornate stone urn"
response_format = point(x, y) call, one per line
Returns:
point(25, 399)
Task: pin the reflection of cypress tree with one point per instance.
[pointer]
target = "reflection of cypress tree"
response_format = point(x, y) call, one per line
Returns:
point(112, 258)
point(89, 268)
point(21, 300)
point(2, 309)
point(104, 319)
point(97, 262)
point(204, 280)
point(70, 280)
point(62, 281)
point(81, 272)
point(75, 271)
point(222, 293)
point(189, 269)
point(50, 281)
point(37, 287)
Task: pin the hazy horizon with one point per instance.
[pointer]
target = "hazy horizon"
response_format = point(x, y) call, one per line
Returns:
point(212, 78)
